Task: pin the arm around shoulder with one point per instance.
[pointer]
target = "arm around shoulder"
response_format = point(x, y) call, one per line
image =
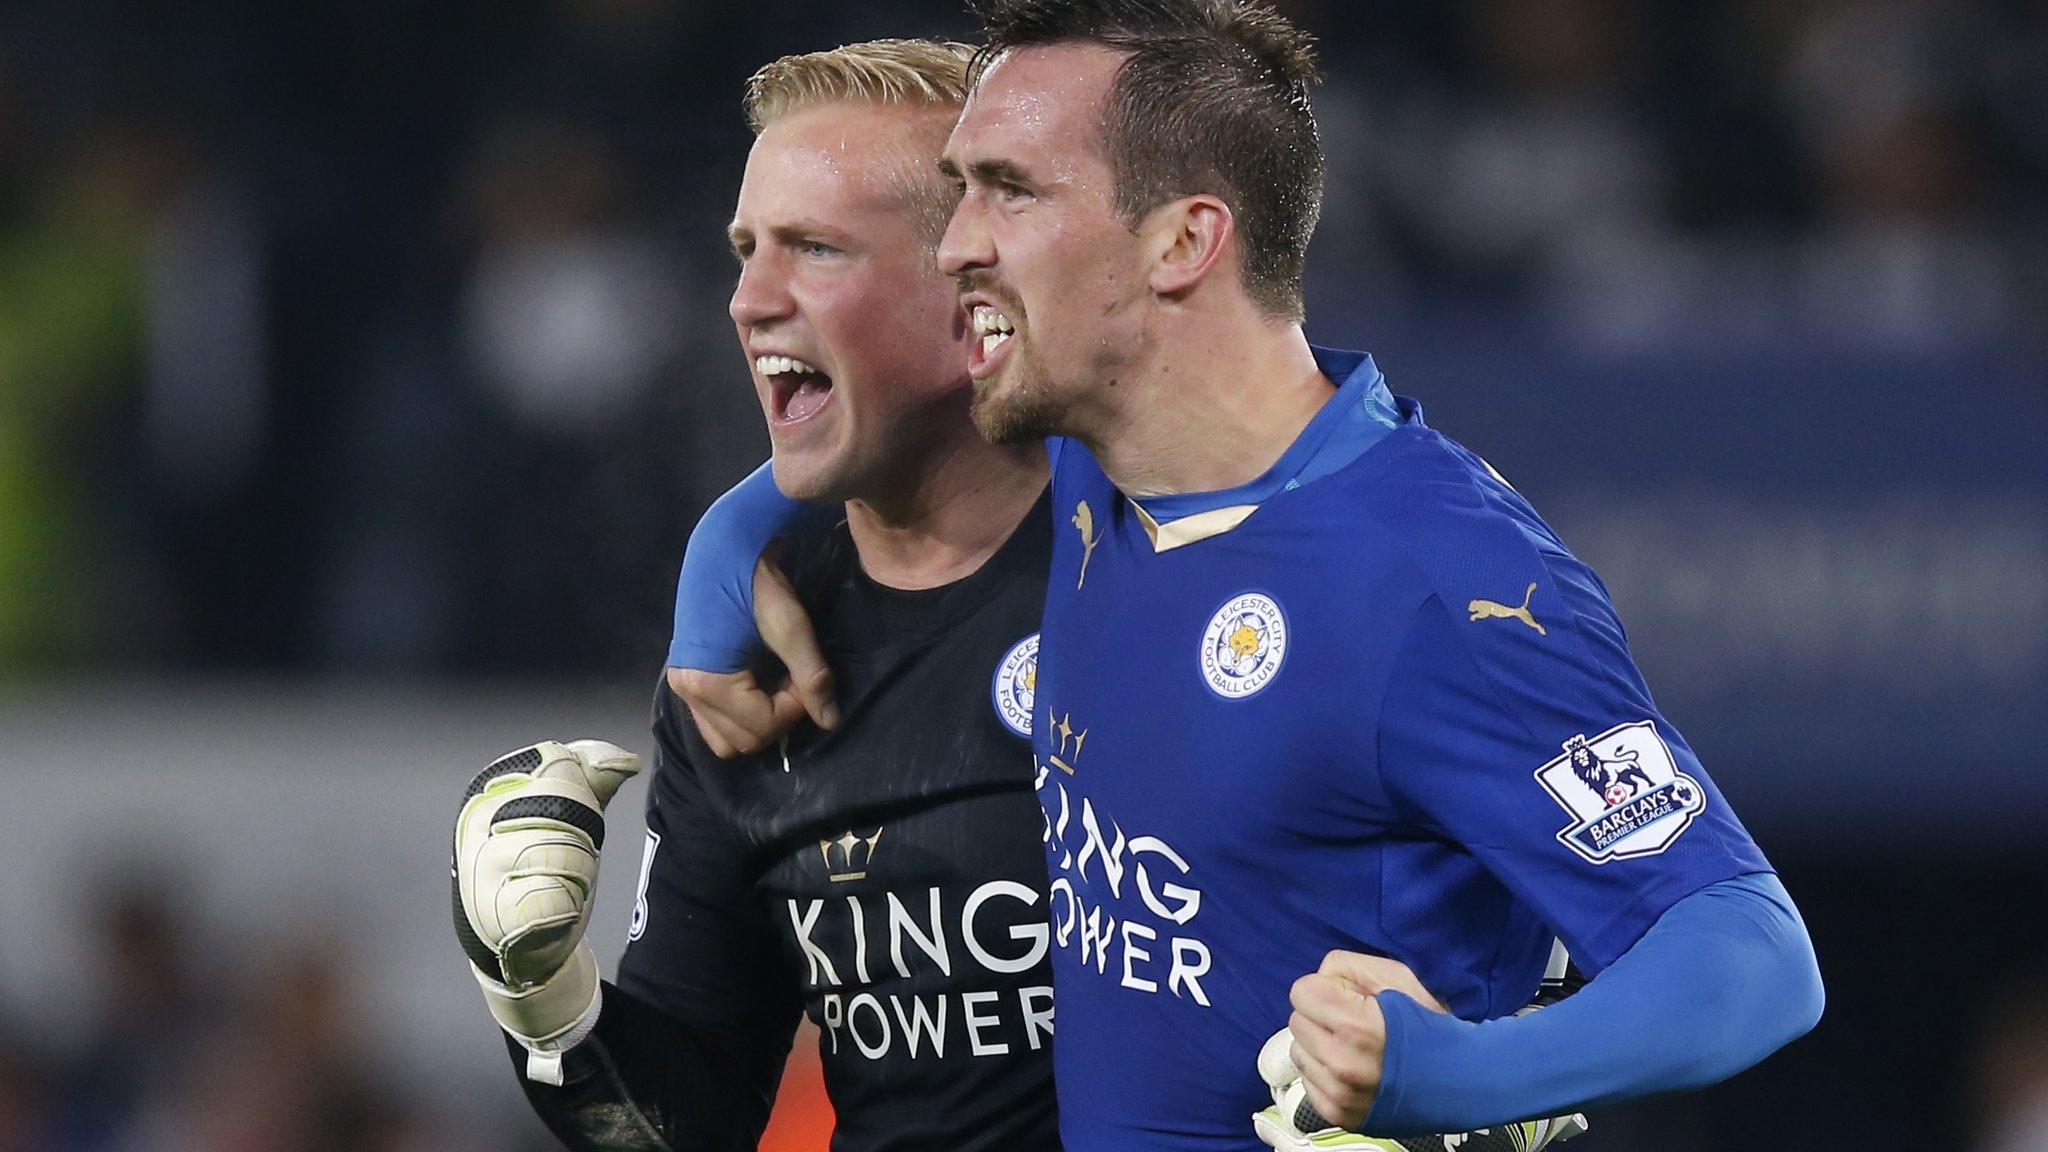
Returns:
point(714, 615)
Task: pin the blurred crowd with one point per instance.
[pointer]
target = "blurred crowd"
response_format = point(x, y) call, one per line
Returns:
point(391, 337)
point(188, 1053)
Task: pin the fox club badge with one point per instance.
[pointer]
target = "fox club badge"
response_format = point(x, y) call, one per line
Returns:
point(1244, 645)
point(1015, 686)
point(1624, 791)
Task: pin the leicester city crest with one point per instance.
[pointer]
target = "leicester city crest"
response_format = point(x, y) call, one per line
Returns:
point(1624, 791)
point(1015, 687)
point(1244, 645)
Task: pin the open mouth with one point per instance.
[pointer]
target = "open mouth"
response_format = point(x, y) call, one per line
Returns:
point(995, 331)
point(799, 391)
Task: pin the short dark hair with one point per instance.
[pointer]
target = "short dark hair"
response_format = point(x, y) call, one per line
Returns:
point(1212, 98)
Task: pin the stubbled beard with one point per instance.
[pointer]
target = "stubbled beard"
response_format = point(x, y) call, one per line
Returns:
point(1023, 410)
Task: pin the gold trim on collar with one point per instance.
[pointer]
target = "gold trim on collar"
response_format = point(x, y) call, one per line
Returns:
point(1192, 529)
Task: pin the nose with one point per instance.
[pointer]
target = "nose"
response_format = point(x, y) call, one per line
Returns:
point(762, 294)
point(967, 244)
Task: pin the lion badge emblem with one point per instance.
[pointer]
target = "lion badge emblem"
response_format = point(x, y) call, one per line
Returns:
point(1625, 792)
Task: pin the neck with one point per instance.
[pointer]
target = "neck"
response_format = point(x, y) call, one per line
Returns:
point(943, 522)
point(1212, 405)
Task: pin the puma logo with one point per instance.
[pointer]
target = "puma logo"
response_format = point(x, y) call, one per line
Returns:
point(1085, 521)
point(1494, 610)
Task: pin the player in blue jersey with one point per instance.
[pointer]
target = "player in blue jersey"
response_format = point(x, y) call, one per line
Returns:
point(1318, 692)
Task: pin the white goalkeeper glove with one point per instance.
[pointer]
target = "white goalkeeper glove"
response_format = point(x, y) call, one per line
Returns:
point(525, 875)
point(1292, 1125)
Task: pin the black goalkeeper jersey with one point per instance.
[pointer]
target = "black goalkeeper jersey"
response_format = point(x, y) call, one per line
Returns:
point(887, 878)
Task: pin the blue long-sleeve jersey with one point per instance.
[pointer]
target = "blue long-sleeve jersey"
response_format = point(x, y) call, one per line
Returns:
point(1367, 701)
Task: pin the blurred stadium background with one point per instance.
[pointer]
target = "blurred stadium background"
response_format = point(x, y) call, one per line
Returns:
point(363, 367)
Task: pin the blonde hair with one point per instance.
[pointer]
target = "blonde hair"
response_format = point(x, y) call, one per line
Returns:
point(910, 72)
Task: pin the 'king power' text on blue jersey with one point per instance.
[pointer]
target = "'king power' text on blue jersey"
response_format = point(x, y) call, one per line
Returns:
point(1368, 701)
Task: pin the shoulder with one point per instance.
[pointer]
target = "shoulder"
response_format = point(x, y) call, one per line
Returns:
point(1482, 554)
point(1452, 519)
point(1497, 592)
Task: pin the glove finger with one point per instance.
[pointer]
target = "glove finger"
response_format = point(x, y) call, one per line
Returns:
point(511, 866)
point(564, 857)
point(540, 950)
point(1292, 1102)
point(605, 766)
point(1557, 1130)
point(526, 900)
point(1276, 1062)
point(525, 761)
point(1274, 1132)
point(539, 808)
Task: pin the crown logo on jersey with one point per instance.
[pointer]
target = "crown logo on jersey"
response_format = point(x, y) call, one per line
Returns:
point(848, 855)
point(1067, 740)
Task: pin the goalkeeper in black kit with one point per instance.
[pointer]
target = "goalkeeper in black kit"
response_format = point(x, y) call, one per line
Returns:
point(882, 870)
point(885, 875)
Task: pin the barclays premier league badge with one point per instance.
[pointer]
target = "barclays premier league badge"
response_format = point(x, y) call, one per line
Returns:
point(1244, 645)
point(1624, 791)
point(1015, 688)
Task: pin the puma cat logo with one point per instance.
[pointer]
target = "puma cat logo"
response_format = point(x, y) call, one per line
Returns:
point(1494, 610)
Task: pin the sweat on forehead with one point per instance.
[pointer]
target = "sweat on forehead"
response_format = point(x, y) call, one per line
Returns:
point(880, 153)
point(1203, 96)
point(1040, 105)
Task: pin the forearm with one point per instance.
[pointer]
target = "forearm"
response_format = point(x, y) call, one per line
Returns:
point(1726, 977)
point(714, 619)
point(642, 1082)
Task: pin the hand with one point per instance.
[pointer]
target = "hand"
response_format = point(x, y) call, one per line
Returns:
point(733, 711)
point(1340, 1034)
point(525, 872)
point(1338, 1028)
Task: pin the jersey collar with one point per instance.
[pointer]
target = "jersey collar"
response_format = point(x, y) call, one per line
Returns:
point(1360, 414)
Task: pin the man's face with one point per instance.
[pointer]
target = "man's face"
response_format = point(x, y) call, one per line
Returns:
point(1053, 277)
point(858, 344)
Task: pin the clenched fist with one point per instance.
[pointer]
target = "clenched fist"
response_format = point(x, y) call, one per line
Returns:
point(1326, 1066)
point(525, 874)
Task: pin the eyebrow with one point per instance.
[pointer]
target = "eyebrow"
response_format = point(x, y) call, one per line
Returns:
point(792, 232)
point(987, 171)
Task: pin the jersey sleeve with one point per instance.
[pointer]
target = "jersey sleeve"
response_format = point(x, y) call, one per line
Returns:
point(644, 1083)
point(700, 946)
point(690, 1041)
point(1516, 724)
point(1729, 970)
point(714, 614)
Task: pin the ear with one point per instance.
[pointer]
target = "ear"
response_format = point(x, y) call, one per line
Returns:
point(1186, 240)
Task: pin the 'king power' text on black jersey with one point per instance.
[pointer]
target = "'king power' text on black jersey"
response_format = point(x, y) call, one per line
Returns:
point(887, 878)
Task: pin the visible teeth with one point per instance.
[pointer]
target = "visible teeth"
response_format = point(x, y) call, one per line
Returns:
point(777, 365)
point(993, 341)
point(987, 320)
